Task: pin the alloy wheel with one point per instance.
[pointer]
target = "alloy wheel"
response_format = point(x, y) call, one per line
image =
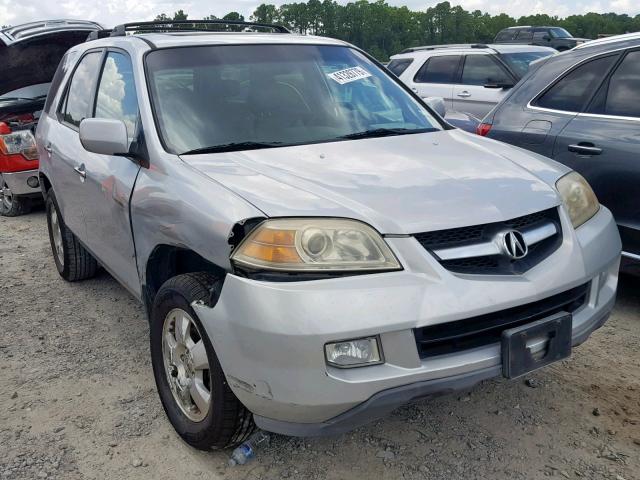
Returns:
point(56, 232)
point(186, 364)
point(6, 198)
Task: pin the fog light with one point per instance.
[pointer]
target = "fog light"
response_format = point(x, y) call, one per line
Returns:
point(354, 353)
point(33, 182)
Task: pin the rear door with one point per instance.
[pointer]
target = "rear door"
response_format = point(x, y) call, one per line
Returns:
point(478, 89)
point(525, 36)
point(436, 76)
point(603, 144)
point(63, 145)
point(110, 179)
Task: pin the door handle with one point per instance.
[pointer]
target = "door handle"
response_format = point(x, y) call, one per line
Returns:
point(585, 148)
point(81, 171)
point(464, 94)
point(414, 89)
point(49, 148)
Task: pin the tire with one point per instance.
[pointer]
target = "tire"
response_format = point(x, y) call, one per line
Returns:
point(10, 205)
point(224, 422)
point(73, 261)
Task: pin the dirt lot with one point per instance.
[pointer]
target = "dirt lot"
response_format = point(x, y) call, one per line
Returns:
point(78, 399)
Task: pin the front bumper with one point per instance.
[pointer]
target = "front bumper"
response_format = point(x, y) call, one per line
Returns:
point(269, 336)
point(17, 182)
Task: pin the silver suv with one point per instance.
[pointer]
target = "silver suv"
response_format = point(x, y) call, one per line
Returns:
point(314, 246)
point(471, 78)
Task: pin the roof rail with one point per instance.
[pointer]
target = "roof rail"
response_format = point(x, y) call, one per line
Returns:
point(606, 40)
point(163, 26)
point(440, 47)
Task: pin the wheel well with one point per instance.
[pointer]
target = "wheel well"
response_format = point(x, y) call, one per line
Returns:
point(45, 184)
point(167, 261)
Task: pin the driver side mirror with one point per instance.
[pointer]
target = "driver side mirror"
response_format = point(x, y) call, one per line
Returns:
point(437, 104)
point(104, 136)
point(547, 38)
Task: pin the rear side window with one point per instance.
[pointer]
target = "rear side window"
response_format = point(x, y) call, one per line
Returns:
point(117, 97)
point(482, 70)
point(506, 35)
point(438, 70)
point(540, 36)
point(575, 89)
point(621, 96)
point(398, 66)
point(525, 34)
point(77, 105)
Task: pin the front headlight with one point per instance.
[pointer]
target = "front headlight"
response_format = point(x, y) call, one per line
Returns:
point(578, 198)
point(315, 245)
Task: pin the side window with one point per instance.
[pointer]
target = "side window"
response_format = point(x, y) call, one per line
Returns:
point(77, 104)
point(438, 70)
point(622, 94)
point(505, 35)
point(525, 34)
point(398, 66)
point(574, 89)
point(482, 70)
point(540, 36)
point(117, 97)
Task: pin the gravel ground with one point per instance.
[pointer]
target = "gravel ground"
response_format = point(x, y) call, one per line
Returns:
point(78, 399)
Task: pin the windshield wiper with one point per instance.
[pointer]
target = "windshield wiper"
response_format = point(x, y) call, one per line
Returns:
point(386, 132)
point(232, 147)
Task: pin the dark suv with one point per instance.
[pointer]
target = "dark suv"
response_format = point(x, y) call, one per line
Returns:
point(554, 37)
point(582, 108)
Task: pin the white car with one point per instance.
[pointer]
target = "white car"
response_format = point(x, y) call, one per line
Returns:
point(470, 78)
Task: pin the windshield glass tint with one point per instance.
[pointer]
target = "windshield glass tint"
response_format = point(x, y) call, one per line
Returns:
point(560, 33)
point(519, 62)
point(275, 95)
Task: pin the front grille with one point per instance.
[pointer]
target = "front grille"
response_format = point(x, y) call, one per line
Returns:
point(493, 264)
point(487, 329)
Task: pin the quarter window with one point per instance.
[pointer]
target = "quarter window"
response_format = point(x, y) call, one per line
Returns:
point(117, 92)
point(575, 89)
point(438, 70)
point(482, 70)
point(621, 96)
point(78, 101)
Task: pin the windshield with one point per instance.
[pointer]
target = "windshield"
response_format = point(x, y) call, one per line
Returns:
point(519, 62)
point(223, 98)
point(558, 32)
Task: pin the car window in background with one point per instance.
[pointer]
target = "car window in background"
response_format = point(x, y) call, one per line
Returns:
point(482, 70)
point(574, 90)
point(558, 32)
point(438, 70)
point(225, 98)
point(540, 36)
point(399, 65)
point(525, 34)
point(78, 102)
point(519, 62)
point(117, 92)
point(621, 96)
point(506, 35)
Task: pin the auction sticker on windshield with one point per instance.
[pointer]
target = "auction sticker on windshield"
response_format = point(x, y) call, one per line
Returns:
point(349, 75)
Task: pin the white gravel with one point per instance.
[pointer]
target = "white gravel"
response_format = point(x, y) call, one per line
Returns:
point(78, 401)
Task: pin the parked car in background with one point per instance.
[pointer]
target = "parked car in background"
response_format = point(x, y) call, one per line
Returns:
point(314, 247)
point(29, 55)
point(582, 108)
point(554, 37)
point(470, 78)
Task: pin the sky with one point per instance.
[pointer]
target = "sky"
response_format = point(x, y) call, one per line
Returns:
point(112, 12)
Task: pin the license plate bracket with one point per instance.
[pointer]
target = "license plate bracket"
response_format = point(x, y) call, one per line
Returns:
point(535, 345)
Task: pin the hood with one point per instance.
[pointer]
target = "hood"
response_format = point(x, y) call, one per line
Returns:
point(399, 185)
point(29, 54)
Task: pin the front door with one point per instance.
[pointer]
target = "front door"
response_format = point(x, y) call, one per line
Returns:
point(436, 77)
point(110, 179)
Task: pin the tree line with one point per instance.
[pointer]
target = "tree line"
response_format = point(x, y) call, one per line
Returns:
point(384, 30)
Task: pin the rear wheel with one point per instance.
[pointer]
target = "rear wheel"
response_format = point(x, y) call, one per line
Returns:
point(73, 261)
point(10, 205)
point(191, 384)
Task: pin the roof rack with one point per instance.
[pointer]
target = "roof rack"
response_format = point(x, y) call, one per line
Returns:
point(164, 26)
point(441, 47)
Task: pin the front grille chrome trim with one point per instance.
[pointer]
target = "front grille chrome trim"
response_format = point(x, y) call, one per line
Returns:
point(531, 235)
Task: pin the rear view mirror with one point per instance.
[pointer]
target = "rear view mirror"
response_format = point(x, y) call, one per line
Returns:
point(437, 104)
point(104, 136)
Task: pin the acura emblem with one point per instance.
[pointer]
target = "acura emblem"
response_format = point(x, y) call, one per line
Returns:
point(514, 244)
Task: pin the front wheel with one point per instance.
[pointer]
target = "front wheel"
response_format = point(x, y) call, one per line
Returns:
point(10, 205)
point(191, 384)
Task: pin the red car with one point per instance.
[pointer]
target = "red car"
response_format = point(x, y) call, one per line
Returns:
point(29, 55)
